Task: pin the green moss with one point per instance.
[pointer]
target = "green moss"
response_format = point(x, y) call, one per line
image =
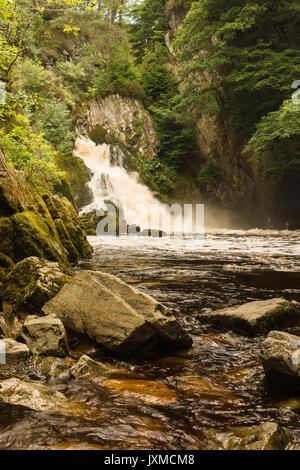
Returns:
point(32, 237)
point(279, 319)
point(65, 238)
point(31, 283)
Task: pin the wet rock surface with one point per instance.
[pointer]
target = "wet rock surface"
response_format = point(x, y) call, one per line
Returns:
point(280, 356)
point(257, 317)
point(219, 382)
point(267, 436)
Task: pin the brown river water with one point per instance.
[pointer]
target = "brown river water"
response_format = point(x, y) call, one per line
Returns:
point(174, 402)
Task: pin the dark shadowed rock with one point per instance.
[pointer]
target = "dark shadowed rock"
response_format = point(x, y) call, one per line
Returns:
point(45, 335)
point(114, 314)
point(280, 356)
point(256, 317)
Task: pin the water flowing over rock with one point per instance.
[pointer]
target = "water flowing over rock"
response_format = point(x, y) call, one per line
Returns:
point(114, 314)
point(267, 436)
point(112, 186)
point(256, 317)
point(280, 356)
point(45, 335)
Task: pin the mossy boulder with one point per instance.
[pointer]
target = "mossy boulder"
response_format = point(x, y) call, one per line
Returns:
point(30, 284)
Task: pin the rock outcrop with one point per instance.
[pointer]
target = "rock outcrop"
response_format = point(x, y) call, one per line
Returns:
point(256, 317)
point(45, 335)
point(280, 356)
point(28, 229)
point(118, 317)
point(123, 122)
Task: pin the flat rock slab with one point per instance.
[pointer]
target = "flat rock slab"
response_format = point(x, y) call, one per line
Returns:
point(45, 335)
point(115, 315)
point(256, 317)
point(267, 436)
point(12, 351)
point(280, 356)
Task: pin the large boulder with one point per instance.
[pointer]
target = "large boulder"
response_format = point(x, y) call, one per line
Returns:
point(30, 284)
point(280, 356)
point(256, 317)
point(45, 335)
point(266, 436)
point(117, 316)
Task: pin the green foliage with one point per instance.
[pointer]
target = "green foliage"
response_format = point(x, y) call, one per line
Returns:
point(155, 174)
point(210, 175)
point(148, 26)
point(53, 119)
point(242, 57)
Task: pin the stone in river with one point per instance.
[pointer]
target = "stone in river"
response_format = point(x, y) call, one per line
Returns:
point(87, 367)
point(256, 317)
point(116, 315)
point(150, 392)
point(45, 335)
point(266, 436)
point(38, 397)
point(14, 351)
point(280, 356)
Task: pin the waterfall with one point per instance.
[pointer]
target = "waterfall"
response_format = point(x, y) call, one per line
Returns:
point(112, 182)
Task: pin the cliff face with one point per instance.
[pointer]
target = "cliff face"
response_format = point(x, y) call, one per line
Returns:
point(123, 122)
point(243, 189)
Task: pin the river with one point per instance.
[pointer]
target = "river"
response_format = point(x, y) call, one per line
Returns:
point(219, 383)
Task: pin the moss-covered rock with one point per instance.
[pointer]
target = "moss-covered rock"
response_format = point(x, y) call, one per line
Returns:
point(30, 284)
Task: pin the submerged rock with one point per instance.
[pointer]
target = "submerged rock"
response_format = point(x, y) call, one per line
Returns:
point(14, 351)
point(117, 316)
point(87, 367)
point(150, 392)
point(45, 335)
point(256, 317)
point(280, 356)
point(54, 368)
point(30, 284)
point(266, 436)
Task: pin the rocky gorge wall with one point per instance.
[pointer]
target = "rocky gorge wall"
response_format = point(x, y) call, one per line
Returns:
point(244, 192)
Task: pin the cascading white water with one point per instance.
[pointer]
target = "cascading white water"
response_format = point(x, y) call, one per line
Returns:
point(111, 181)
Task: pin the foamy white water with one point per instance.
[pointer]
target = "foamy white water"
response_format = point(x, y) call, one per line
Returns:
point(111, 181)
